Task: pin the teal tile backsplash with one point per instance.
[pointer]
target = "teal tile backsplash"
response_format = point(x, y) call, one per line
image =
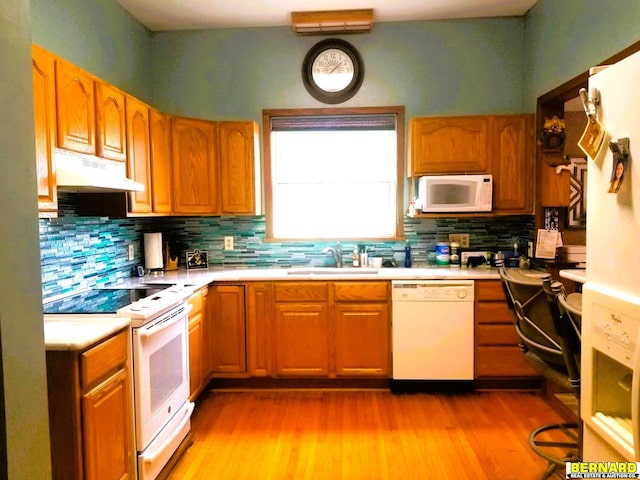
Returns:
point(78, 251)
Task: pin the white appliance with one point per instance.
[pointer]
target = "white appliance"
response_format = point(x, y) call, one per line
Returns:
point(432, 329)
point(610, 370)
point(160, 376)
point(456, 193)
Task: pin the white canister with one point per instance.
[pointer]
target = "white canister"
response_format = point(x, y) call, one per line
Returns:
point(443, 254)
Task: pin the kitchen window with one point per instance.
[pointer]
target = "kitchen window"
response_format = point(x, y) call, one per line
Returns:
point(334, 173)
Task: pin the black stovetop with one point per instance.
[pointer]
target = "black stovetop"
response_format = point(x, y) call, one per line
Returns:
point(99, 300)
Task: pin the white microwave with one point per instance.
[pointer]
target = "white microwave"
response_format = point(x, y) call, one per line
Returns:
point(455, 193)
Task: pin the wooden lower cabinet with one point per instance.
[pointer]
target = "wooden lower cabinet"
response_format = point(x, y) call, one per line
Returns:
point(497, 354)
point(259, 323)
point(196, 344)
point(227, 339)
point(362, 339)
point(362, 329)
point(301, 339)
point(91, 412)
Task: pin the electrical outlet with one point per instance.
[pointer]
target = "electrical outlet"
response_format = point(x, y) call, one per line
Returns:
point(132, 252)
point(228, 243)
point(461, 238)
point(530, 249)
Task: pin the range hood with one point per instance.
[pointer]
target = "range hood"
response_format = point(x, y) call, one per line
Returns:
point(87, 173)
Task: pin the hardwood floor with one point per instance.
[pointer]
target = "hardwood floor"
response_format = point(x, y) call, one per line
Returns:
point(358, 435)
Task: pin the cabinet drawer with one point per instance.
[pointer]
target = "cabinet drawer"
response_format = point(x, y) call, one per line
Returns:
point(496, 335)
point(301, 291)
point(97, 362)
point(502, 362)
point(489, 290)
point(493, 312)
point(361, 291)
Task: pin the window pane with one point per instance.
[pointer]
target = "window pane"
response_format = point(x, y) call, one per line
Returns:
point(330, 179)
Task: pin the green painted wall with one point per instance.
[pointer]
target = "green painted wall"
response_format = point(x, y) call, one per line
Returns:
point(565, 38)
point(22, 360)
point(433, 68)
point(99, 36)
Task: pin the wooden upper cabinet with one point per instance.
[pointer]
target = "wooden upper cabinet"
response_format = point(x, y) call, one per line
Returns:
point(160, 127)
point(139, 156)
point(511, 163)
point(448, 145)
point(43, 72)
point(195, 173)
point(238, 152)
point(75, 98)
point(111, 140)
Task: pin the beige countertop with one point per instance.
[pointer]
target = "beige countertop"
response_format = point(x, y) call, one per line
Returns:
point(77, 332)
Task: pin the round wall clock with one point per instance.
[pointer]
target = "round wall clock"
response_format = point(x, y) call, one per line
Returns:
point(332, 71)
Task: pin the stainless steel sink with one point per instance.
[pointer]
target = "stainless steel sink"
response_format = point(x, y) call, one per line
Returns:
point(332, 271)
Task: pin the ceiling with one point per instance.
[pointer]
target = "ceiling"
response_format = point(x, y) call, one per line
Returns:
point(163, 15)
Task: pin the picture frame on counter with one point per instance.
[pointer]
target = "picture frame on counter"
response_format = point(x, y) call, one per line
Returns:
point(197, 259)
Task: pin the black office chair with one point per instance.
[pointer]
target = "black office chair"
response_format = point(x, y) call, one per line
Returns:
point(542, 346)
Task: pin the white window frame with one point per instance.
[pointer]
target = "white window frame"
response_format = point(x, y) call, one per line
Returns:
point(270, 185)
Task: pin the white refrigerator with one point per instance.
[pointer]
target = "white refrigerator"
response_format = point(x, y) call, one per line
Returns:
point(610, 370)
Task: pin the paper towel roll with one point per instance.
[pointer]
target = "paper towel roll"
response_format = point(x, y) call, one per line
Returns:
point(153, 251)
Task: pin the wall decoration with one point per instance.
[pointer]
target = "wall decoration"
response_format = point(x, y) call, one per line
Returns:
point(577, 212)
point(551, 216)
point(553, 135)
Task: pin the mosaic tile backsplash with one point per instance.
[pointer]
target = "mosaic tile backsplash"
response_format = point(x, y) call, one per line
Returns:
point(80, 251)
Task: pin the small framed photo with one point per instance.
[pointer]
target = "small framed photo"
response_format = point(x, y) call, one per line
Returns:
point(620, 166)
point(593, 139)
point(197, 260)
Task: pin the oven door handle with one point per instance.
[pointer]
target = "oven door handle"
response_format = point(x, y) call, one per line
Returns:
point(154, 330)
point(150, 457)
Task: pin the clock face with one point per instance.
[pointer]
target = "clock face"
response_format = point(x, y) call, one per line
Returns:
point(332, 71)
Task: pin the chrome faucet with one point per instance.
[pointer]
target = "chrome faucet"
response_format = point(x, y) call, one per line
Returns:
point(336, 253)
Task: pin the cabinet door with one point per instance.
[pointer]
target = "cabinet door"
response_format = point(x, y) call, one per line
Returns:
point(227, 333)
point(259, 327)
point(161, 192)
point(111, 141)
point(75, 99)
point(195, 173)
point(237, 172)
point(196, 350)
point(362, 339)
point(301, 339)
point(448, 145)
point(106, 429)
point(511, 154)
point(44, 104)
point(139, 154)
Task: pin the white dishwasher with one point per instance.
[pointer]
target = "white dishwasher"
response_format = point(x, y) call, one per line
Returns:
point(432, 330)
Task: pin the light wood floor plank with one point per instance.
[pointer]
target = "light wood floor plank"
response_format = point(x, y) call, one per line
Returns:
point(364, 435)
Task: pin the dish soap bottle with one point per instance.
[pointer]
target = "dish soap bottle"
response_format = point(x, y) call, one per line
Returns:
point(407, 254)
point(356, 256)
